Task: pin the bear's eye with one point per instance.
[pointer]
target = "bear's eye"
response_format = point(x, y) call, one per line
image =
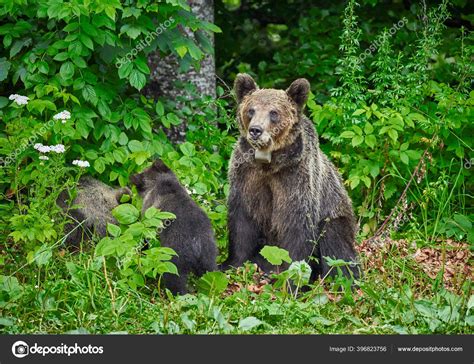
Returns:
point(251, 113)
point(274, 116)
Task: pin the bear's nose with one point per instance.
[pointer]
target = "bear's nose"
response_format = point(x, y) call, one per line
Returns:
point(255, 131)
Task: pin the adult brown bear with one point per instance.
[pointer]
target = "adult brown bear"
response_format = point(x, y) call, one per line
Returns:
point(284, 191)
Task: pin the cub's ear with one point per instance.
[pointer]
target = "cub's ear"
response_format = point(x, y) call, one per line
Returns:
point(138, 181)
point(298, 92)
point(161, 167)
point(243, 85)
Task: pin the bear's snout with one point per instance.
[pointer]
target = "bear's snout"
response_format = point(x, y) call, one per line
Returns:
point(255, 132)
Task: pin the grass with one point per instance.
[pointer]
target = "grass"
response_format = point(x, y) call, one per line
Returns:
point(76, 292)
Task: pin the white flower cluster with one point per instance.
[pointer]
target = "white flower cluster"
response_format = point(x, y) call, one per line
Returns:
point(20, 100)
point(59, 148)
point(82, 164)
point(63, 116)
point(43, 158)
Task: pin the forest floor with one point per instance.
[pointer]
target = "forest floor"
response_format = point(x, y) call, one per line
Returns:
point(405, 289)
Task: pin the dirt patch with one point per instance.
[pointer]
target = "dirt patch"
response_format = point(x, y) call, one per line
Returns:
point(457, 258)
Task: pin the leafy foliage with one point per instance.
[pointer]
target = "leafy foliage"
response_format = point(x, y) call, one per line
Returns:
point(125, 245)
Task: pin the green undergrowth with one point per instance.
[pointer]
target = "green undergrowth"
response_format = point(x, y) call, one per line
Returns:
point(77, 294)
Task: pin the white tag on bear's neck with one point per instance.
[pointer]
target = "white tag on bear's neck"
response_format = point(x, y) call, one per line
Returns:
point(262, 156)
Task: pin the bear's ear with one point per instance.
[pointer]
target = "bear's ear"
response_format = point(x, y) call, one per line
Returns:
point(243, 85)
point(298, 91)
point(160, 166)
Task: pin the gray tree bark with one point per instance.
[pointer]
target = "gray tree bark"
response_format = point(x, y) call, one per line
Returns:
point(165, 70)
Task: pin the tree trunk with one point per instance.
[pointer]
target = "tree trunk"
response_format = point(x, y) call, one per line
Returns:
point(165, 71)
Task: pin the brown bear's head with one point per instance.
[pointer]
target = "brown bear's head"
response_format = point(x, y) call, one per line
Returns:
point(267, 116)
point(158, 178)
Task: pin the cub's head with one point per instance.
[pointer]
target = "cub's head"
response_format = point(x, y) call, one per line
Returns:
point(158, 177)
point(267, 116)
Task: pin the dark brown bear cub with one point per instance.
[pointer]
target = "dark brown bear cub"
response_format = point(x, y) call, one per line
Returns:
point(283, 190)
point(190, 235)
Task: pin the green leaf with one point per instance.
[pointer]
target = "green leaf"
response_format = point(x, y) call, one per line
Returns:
point(404, 158)
point(357, 129)
point(132, 31)
point(125, 70)
point(354, 182)
point(106, 246)
point(321, 321)
point(366, 180)
point(89, 29)
point(249, 323)
point(126, 214)
point(79, 62)
point(114, 230)
point(151, 212)
point(3, 102)
point(67, 70)
point(358, 112)
point(4, 68)
point(392, 133)
point(463, 221)
point(212, 283)
point(181, 50)
point(357, 140)
point(123, 139)
point(337, 262)
point(164, 215)
point(75, 49)
point(43, 67)
point(125, 198)
point(140, 157)
point(347, 134)
point(18, 45)
point(4, 321)
point(159, 108)
point(88, 93)
point(135, 146)
point(43, 255)
point(86, 41)
point(137, 79)
point(368, 128)
point(470, 303)
point(136, 229)
point(120, 155)
point(141, 65)
point(200, 188)
point(61, 56)
point(188, 149)
point(99, 165)
point(275, 255)
point(211, 27)
point(370, 140)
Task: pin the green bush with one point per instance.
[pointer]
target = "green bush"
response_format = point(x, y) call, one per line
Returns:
point(79, 68)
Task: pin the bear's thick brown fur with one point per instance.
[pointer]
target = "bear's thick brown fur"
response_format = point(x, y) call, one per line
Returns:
point(283, 190)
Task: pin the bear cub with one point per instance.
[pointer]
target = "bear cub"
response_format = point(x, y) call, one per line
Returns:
point(284, 191)
point(190, 235)
point(94, 201)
